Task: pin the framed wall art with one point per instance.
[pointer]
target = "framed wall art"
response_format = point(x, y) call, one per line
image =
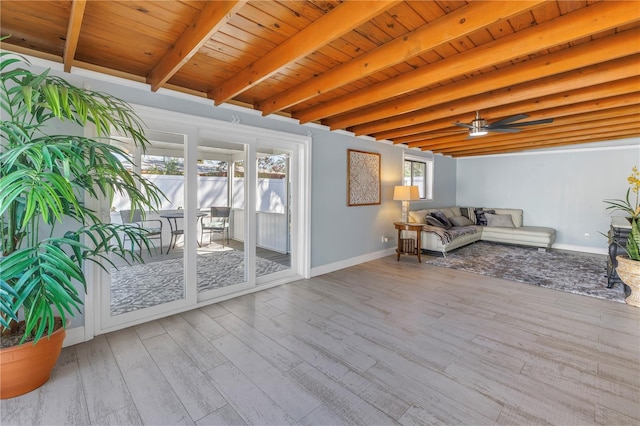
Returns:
point(363, 178)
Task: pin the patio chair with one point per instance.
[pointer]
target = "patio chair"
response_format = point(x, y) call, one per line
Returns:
point(153, 232)
point(217, 222)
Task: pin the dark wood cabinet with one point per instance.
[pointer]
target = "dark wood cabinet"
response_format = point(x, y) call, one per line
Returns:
point(618, 233)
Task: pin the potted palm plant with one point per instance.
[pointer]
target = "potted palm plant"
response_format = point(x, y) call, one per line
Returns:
point(628, 267)
point(45, 179)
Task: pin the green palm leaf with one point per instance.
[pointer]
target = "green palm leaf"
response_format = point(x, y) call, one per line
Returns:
point(45, 179)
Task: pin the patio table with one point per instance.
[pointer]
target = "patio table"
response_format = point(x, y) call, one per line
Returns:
point(172, 218)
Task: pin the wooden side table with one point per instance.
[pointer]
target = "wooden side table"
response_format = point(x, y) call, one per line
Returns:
point(408, 246)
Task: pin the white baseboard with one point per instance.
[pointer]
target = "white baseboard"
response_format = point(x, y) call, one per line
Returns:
point(330, 267)
point(584, 249)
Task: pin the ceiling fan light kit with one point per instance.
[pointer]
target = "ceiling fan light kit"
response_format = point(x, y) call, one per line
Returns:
point(478, 131)
point(478, 126)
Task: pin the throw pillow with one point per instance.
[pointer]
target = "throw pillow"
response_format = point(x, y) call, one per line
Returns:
point(461, 221)
point(499, 220)
point(480, 216)
point(442, 218)
point(469, 213)
point(430, 220)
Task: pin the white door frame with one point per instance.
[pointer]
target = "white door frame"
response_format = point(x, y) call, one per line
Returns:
point(192, 126)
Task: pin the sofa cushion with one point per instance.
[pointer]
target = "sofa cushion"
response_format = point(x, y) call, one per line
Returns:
point(469, 213)
point(455, 211)
point(430, 220)
point(461, 221)
point(417, 216)
point(516, 215)
point(536, 236)
point(481, 219)
point(442, 217)
point(447, 211)
point(499, 220)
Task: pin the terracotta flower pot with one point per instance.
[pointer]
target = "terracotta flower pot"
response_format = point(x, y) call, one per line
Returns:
point(629, 272)
point(28, 366)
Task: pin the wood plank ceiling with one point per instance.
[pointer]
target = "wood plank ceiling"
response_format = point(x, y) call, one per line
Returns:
point(402, 71)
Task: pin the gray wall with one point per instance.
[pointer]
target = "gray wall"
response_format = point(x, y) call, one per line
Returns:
point(444, 184)
point(340, 232)
point(560, 189)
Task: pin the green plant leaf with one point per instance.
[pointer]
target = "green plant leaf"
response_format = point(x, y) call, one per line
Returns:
point(7, 293)
point(632, 246)
point(45, 181)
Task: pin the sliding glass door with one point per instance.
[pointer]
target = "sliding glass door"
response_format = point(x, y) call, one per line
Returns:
point(234, 218)
point(222, 265)
point(152, 280)
point(273, 245)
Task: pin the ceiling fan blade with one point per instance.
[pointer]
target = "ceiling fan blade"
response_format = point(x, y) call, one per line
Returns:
point(468, 126)
point(499, 123)
point(505, 130)
point(530, 123)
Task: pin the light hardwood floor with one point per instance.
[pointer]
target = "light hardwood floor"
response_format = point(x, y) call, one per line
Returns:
point(381, 343)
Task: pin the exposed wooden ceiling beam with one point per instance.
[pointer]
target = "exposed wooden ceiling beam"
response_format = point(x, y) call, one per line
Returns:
point(609, 136)
point(584, 77)
point(582, 55)
point(337, 22)
point(560, 133)
point(576, 123)
point(31, 52)
point(458, 134)
point(73, 33)
point(623, 116)
point(443, 30)
point(572, 26)
point(588, 97)
point(602, 134)
point(212, 16)
point(588, 107)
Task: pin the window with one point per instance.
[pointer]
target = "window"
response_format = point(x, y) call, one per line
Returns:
point(418, 172)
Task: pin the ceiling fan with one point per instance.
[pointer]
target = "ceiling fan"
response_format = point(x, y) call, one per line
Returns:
point(480, 127)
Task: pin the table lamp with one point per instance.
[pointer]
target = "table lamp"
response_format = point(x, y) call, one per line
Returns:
point(405, 194)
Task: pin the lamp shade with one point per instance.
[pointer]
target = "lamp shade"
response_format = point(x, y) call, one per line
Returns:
point(406, 193)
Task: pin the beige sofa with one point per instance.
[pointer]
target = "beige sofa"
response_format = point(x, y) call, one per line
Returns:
point(534, 236)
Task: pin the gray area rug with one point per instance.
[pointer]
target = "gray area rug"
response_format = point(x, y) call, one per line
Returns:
point(579, 273)
point(144, 285)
